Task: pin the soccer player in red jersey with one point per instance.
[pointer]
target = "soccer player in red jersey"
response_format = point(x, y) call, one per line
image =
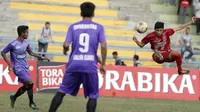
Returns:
point(160, 44)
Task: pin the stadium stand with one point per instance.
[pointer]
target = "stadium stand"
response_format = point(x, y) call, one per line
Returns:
point(118, 17)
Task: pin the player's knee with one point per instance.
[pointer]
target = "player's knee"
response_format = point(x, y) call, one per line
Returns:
point(30, 86)
point(60, 94)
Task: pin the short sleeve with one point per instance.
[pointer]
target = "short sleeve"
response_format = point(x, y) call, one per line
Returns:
point(170, 31)
point(69, 35)
point(7, 48)
point(102, 37)
point(146, 39)
point(28, 48)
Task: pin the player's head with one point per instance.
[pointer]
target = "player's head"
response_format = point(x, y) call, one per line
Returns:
point(87, 9)
point(47, 24)
point(136, 57)
point(22, 31)
point(159, 27)
point(187, 30)
point(115, 54)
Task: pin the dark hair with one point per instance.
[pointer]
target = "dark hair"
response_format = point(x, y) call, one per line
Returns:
point(159, 25)
point(115, 53)
point(47, 23)
point(136, 57)
point(87, 9)
point(21, 29)
point(188, 28)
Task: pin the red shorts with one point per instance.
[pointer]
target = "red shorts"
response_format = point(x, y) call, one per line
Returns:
point(166, 56)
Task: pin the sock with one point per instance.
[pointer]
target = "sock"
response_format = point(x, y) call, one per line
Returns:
point(91, 105)
point(57, 100)
point(19, 92)
point(177, 57)
point(30, 93)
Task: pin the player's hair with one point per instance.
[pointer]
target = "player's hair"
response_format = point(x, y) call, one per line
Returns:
point(159, 25)
point(136, 57)
point(21, 29)
point(47, 23)
point(188, 28)
point(87, 9)
point(115, 53)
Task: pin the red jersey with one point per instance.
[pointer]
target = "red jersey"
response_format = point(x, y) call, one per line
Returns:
point(160, 43)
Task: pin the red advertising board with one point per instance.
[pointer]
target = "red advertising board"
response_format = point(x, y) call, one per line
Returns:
point(9, 82)
point(134, 82)
point(50, 76)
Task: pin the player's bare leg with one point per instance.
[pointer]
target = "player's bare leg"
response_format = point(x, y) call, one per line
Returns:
point(174, 55)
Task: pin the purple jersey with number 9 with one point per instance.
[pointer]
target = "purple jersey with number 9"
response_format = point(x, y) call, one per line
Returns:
point(85, 37)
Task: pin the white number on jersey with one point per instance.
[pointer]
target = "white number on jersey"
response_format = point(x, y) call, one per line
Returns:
point(84, 41)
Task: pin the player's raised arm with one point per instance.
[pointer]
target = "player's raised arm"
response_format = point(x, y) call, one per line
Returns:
point(3, 54)
point(185, 25)
point(140, 44)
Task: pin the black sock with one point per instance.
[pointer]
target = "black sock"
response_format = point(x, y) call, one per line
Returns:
point(91, 105)
point(57, 100)
point(30, 93)
point(19, 92)
point(30, 96)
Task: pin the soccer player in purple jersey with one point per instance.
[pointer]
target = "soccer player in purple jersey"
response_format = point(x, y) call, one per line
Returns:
point(19, 65)
point(85, 37)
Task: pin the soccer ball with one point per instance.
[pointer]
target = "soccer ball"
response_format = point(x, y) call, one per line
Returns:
point(141, 27)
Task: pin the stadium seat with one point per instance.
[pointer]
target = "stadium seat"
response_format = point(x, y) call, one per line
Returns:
point(77, 2)
point(63, 28)
point(121, 52)
point(68, 19)
point(151, 64)
point(110, 42)
point(59, 9)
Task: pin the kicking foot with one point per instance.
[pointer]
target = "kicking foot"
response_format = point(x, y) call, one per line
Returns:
point(184, 72)
point(12, 99)
point(33, 106)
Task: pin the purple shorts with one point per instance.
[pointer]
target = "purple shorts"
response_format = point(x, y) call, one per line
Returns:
point(72, 81)
point(23, 76)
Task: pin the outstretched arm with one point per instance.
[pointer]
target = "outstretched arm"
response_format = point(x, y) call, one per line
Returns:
point(140, 44)
point(185, 25)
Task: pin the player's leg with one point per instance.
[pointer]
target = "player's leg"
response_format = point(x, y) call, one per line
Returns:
point(175, 56)
point(30, 95)
point(91, 90)
point(70, 85)
point(23, 78)
point(156, 59)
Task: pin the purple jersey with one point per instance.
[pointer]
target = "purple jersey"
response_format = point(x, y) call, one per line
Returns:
point(17, 51)
point(85, 37)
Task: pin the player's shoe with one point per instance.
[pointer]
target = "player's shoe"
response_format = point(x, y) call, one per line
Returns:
point(184, 72)
point(12, 99)
point(33, 106)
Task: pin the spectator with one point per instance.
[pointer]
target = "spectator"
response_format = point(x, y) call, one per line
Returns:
point(45, 37)
point(186, 44)
point(184, 6)
point(136, 61)
point(173, 2)
point(196, 7)
point(118, 61)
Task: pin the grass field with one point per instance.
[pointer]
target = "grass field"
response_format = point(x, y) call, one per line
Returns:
point(105, 104)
